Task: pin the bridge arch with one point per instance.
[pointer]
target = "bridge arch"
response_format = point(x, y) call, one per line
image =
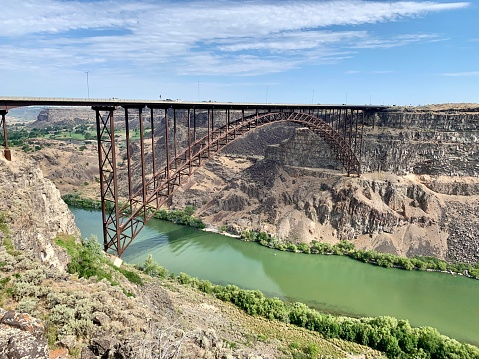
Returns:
point(125, 221)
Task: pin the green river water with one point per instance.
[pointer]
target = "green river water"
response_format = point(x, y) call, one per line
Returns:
point(328, 283)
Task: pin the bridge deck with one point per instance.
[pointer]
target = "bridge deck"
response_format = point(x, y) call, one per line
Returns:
point(13, 102)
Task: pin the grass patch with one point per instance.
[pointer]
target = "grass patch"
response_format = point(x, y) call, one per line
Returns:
point(88, 260)
point(7, 241)
point(130, 275)
point(69, 243)
point(6, 290)
point(3, 223)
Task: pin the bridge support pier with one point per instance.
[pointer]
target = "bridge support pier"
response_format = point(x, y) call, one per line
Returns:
point(6, 151)
point(108, 177)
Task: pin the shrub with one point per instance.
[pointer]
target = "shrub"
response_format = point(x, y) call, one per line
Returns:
point(205, 286)
point(323, 248)
point(249, 236)
point(263, 238)
point(54, 299)
point(304, 247)
point(311, 350)
point(291, 247)
point(131, 276)
point(61, 314)
point(27, 305)
point(184, 216)
point(152, 268)
point(184, 278)
point(396, 338)
point(76, 200)
point(88, 261)
point(344, 246)
point(22, 290)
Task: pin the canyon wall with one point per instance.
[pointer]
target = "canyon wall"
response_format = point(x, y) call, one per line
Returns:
point(423, 142)
point(32, 211)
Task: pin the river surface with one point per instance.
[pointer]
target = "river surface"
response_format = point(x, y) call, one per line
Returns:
point(333, 284)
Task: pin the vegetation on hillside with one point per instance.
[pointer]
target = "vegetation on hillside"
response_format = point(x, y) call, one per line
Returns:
point(179, 216)
point(27, 138)
point(73, 199)
point(65, 313)
point(88, 260)
point(74, 308)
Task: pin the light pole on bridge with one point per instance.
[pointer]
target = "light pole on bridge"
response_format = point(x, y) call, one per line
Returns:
point(87, 84)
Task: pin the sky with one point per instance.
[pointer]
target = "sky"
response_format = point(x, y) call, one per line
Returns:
point(329, 52)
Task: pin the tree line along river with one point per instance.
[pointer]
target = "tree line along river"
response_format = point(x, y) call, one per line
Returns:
point(334, 284)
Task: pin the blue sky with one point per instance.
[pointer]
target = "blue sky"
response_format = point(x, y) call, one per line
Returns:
point(355, 52)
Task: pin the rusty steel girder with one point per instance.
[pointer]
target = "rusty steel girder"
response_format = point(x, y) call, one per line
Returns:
point(124, 217)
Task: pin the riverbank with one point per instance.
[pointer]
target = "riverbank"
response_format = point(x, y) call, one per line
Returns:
point(346, 248)
point(77, 315)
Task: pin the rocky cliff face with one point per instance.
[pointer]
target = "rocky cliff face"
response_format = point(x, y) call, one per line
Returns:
point(33, 210)
point(63, 117)
point(423, 142)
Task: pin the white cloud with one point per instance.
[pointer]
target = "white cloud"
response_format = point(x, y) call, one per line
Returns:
point(372, 42)
point(207, 37)
point(292, 40)
point(462, 74)
point(204, 19)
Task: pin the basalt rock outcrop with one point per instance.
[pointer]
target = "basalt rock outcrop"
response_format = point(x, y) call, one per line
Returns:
point(22, 336)
point(63, 117)
point(390, 214)
point(33, 211)
point(423, 141)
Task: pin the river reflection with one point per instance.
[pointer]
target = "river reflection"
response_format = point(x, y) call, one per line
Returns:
point(329, 283)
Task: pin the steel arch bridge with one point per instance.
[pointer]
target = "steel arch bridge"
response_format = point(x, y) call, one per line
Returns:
point(146, 160)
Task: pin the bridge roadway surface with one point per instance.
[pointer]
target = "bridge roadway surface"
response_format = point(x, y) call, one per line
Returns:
point(7, 103)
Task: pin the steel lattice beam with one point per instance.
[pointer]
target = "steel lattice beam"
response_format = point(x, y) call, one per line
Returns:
point(154, 192)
